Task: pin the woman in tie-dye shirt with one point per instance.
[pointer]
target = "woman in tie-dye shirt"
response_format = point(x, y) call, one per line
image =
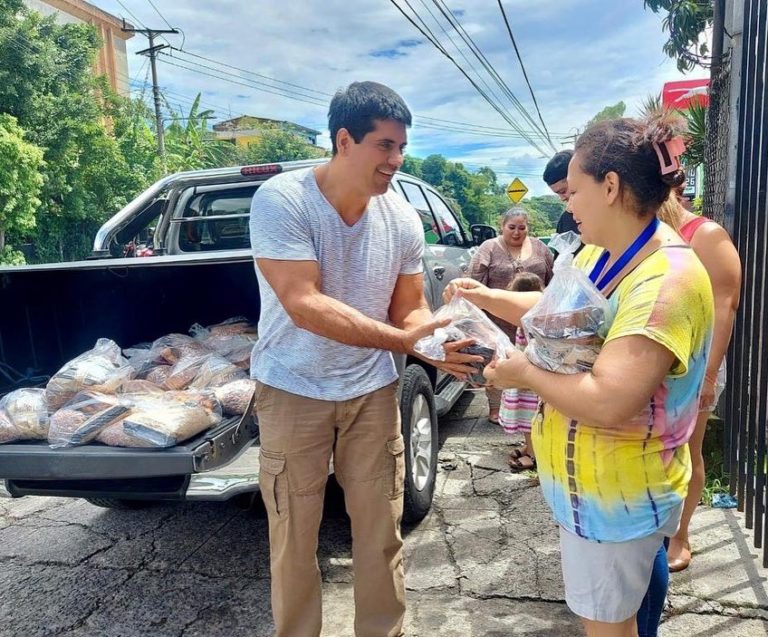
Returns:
point(611, 443)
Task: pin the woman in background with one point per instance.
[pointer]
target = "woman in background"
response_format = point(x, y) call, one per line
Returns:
point(712, 244)
point(496, 263)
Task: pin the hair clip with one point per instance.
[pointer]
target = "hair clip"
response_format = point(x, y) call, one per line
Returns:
point(668, 153)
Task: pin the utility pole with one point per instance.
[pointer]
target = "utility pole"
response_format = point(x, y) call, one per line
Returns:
point(151, 52)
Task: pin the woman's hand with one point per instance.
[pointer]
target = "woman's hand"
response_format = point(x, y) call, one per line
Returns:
point(472, 290)
point(504, 374)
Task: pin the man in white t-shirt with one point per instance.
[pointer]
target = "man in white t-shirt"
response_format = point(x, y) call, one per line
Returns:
point(339, 262)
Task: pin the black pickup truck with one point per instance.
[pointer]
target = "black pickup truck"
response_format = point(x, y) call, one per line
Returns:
point(177, 255)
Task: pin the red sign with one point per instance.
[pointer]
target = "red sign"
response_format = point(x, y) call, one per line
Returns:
point(680, 95)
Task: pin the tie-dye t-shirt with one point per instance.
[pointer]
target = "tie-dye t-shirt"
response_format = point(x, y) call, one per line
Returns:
point(619, 484)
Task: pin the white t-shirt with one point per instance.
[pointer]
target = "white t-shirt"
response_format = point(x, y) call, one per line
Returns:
point(359, 266)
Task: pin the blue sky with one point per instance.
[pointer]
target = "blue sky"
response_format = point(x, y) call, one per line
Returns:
point(580, 55)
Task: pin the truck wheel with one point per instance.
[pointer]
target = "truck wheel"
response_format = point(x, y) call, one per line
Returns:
point(419, 416)
point(119, 503)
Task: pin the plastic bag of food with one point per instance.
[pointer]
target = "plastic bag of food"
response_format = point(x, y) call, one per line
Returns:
point(236, 348)
point(181, 375)
point(232, 326)
point(82, 419)
point(172, 348)
point(235, 396)
point(24, 416)
point(142, 387)
point(568, 325)
point(170, 420)
point(158, 375)
point(101, 369)
point(467, 321)
point(216, 371)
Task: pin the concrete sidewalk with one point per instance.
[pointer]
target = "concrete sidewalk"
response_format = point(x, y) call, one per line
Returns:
point(486, 561)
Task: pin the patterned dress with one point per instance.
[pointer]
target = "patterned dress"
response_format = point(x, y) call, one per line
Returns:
point(518, 406)
point(615, 484)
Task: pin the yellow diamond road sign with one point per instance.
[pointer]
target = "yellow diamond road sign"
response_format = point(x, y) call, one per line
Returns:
point(516, 190)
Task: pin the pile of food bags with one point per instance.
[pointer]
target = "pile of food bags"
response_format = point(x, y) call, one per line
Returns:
point(156, 394)
point(567, 327)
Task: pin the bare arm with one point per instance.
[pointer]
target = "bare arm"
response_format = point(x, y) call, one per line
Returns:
point(297, 286)
point(717, 253)
point(509, 306)
point(625, 375)
point(409, 310)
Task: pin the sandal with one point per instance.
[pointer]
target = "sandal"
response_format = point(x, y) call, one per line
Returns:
point(517, 452)
point(494, 418)
point(524, 462)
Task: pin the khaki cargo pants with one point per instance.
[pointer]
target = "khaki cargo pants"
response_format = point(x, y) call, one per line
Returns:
point(298, 437)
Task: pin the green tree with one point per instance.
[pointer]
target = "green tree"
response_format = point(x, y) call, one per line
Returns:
point(544, 211)
point(685, 21)
point(275, 143)
point(412, 166)
point(433, 169)
point(46, 82)
point(609, 112)
point(20, 184)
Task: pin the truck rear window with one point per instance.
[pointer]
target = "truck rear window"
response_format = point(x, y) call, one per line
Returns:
point(217, 221)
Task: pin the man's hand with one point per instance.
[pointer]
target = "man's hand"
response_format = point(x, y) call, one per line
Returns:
point(456, 363)
point(472, 290)
point(504, 374)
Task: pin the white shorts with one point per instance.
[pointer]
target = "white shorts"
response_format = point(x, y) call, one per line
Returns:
point(607, 581)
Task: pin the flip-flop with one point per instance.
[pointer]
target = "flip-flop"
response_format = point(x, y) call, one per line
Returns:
point(495, 421)
point(516, 453)
point(518, 465)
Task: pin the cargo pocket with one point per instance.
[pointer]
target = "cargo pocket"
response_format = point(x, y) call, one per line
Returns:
point(396, 476)
point(273, 482)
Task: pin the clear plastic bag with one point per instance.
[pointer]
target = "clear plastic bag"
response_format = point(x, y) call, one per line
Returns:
point(24, 416)
point(236, 348)
point(83, 418)
point(567, 327)
point(230, 327)
point(101, 369)
point(467, 321)
point(235, 396)
point(216, 371)
point(171, 419)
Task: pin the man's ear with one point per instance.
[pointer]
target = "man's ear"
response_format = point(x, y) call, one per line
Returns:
point(343, 141)
point(612, 187)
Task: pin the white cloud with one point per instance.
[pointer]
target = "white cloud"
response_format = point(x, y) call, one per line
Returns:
point(581, 55)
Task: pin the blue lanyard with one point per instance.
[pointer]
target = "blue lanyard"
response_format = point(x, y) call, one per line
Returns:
point(626, 257)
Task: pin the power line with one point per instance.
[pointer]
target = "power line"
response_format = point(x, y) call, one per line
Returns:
point(440, 48)
point(522, 66)
point(448, 15)
point(130, 13)
point(162, 17)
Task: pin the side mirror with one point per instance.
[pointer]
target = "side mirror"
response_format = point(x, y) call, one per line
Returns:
point(481, 233)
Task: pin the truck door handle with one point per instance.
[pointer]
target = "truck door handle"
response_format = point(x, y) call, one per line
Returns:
point(439, 271)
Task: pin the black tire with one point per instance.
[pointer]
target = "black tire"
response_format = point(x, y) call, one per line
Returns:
point(120, 503)
point(420, 485)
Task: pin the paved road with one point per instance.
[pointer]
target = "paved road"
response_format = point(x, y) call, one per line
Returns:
point(484, 563)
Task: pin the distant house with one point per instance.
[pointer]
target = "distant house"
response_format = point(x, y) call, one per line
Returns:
point(246, 129)
point(112, 60)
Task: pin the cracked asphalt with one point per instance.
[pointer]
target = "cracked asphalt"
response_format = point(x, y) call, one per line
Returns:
point(485, 562)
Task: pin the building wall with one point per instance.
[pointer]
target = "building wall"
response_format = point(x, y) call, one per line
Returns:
point(112, 59)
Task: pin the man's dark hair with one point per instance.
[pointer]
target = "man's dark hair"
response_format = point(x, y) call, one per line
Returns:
point(557, 167)
point(356, 107)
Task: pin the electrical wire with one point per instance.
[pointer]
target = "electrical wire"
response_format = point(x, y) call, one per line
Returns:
point(162, 17)
point(440, 48)
point(522, 66)
point(469, 41)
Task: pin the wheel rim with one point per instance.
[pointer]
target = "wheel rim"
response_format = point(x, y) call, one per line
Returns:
point(421, 442)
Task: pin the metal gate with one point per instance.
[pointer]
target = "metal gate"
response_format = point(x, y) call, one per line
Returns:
point(747, 393)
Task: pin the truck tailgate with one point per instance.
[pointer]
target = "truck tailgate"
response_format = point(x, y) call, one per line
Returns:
point(207, 451)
